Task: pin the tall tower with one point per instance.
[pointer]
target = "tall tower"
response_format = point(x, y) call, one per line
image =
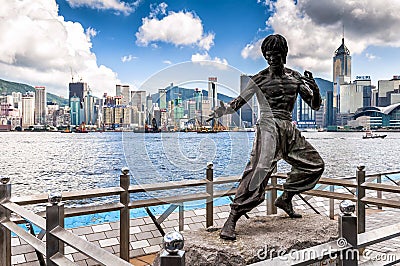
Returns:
point(28, 109)
point(212, 92)
point(40, 105)
point(341, 73)
point(123, 90)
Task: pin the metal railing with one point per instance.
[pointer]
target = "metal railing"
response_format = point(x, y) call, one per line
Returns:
point(55, 230)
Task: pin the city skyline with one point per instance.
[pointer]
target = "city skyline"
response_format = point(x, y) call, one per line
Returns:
point(105, 43)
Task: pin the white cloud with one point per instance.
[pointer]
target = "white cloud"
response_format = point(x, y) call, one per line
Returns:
point(116, 5)
point(371, 57)
point(205, 59)
point(313, 29)
point(178, 28)
point(39, 47)
point(128, 58)
point(160, 9)
point(167, 62)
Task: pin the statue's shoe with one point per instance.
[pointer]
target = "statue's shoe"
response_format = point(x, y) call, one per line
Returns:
point(228, 230)
point(287, 207)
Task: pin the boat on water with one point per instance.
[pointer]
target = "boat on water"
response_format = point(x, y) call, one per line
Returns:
point(370, 135)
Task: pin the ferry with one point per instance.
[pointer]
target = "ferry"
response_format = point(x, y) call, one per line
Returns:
point(370, 135)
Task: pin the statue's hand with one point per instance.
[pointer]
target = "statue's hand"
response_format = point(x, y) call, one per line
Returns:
point(309, 79)
point(220, 111)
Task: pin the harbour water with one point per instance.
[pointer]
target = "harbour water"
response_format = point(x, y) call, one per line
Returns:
point(50, 161)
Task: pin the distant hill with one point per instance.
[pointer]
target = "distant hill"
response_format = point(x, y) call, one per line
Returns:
point(8, 87)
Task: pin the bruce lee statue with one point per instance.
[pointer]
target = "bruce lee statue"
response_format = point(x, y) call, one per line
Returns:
point(276, 137)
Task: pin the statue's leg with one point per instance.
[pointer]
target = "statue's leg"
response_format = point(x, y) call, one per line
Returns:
point(307, 168)
point(251, 190)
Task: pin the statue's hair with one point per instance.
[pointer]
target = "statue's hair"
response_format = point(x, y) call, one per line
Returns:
point(275, 42)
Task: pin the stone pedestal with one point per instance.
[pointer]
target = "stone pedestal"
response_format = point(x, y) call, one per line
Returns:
point(258, 238)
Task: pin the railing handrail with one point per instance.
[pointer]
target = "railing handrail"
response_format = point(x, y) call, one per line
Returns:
point(14, 204)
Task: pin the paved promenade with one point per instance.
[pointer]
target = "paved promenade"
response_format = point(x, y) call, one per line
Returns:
point(145, 239)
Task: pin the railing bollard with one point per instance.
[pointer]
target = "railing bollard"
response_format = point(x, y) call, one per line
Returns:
point(5, 234)
point(379, 192)
point(360, 176)
point(54, 218)
point(124, 223)
point(210, 198)
point(271, 196)
point(348, 233)
point(172, 254)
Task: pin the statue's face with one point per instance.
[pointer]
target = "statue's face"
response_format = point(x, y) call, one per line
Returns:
point(275, 59)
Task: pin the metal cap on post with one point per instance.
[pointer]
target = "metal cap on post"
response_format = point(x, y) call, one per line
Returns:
point(210, 192)
point(348, 233)
point(173, 254)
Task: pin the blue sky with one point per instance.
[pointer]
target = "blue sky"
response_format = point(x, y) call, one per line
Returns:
point(108, 42)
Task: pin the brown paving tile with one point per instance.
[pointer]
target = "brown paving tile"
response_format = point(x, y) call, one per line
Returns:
point(148, 258)
point(137, 262)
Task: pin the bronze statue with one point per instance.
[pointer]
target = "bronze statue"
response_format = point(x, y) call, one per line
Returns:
point(276, 89)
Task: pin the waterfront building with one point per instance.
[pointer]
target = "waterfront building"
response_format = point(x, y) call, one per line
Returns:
point(149, 108)
point(89, 116)
point(377, 117)
point(28, 110)
point(162, 96)
point(75, 109)
point(40, 105)
point(198, 99)
point(212, 92)
point(78, 89)
point(341, 72)
point(388, 91)
point(138, 99)
point(108, 116)
point(123, 91)
point(355, 95)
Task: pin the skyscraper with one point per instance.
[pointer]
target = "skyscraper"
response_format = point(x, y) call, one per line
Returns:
point(162, 98)
point(123, 90)
point(75, 110)
point(341, 72)
point(78, 89)
point(40, 105)
point(28, 110)
point(138, 99)
point(212, 92)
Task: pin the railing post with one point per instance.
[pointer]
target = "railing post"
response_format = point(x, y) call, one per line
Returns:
point(54, 218)
point(124, 215)
point(210, 198)
point(332, 204)
point(360, 176)
point(271, 196)
point(348, 234)
point(379, 192)
point(5, 234)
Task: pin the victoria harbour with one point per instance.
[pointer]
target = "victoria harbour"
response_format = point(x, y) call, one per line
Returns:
point(39, 162)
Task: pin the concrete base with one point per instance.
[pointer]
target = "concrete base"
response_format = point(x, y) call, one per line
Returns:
point(258, 238)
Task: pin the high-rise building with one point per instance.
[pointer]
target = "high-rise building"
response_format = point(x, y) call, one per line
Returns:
point(249, 111)
point(162, 99)
point(138, 99)
point(75, 110)
point(341, 73)
point(388, 91)
point(88, 109)
point(212, 92)
point(28, 109)
point(123, 90)
point(78, 89)
point(40, 105)
point(355, 95)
